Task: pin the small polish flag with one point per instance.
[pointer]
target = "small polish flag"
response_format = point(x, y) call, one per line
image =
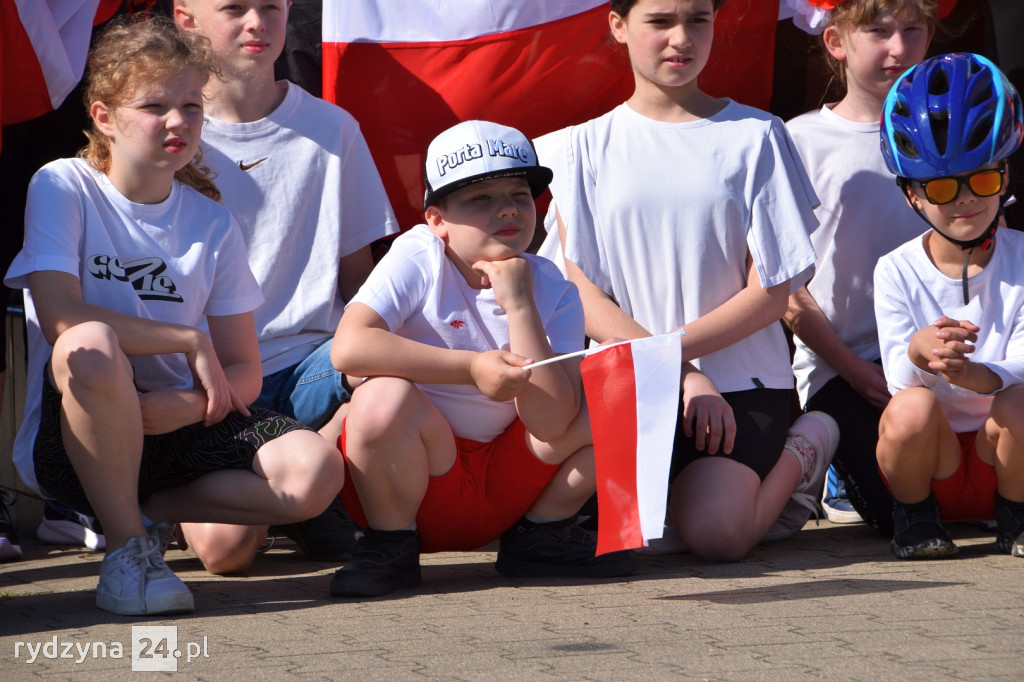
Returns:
point(633, 393)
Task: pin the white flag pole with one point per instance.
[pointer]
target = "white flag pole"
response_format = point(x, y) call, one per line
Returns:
point(595, 349)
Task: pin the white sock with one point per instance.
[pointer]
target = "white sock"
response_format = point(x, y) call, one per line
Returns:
point(804, 453)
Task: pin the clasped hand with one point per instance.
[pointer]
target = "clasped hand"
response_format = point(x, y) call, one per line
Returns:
point(948, 343)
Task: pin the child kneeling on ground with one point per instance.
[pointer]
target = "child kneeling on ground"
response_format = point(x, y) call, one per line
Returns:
point(950, 310)
point(130, 401)
point(142, 346)
point(449, 441)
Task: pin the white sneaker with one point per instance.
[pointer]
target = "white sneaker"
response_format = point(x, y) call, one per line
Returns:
point(813, 438)
point(164, 533)
point(135, 581)
point(63, 526)
point(835, 502)
point(793, 518)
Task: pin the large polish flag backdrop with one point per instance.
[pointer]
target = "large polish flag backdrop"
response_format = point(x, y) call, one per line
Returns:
point(409, 69)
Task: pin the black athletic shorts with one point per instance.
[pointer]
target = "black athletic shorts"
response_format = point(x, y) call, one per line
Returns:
point(168, 460)
point(762, 421)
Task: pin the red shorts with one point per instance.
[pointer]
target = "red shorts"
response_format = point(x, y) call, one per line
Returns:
point(489, 487)
point(970, 493)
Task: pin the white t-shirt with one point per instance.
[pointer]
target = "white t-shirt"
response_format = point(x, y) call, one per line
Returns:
point(306, 193)
point(422, 296)
point(176, 261)
point(661, 216)
point(862, 217)
point(911, 293)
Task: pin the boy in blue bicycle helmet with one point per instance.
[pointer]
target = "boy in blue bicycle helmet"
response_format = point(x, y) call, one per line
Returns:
point(950, 310)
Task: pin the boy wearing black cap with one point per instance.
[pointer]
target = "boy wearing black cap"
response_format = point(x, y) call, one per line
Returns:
point(450, 440)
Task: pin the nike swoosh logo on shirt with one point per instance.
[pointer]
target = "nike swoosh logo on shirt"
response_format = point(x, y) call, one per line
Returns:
point(246, 166)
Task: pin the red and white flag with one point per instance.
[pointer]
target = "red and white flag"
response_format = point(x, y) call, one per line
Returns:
point(43, 48)
point(633, 394)
point(409, 69)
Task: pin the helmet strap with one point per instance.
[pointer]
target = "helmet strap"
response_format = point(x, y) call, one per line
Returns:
point(986, 240)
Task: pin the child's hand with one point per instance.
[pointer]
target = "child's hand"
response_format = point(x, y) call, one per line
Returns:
point(706, 414)
point(947, 340)
point(511, 280)
point(208, 374)
point(953, 344)
point(499, 374)
point(167, 409)
point(868, 379)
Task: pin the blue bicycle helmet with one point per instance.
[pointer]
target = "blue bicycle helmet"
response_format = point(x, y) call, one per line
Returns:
point(950, 115)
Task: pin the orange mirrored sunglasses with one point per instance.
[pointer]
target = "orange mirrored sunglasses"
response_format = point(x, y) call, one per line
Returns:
point(983, 183)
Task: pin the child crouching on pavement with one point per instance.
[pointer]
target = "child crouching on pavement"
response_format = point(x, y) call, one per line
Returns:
point(950, 310)
point(450, 442)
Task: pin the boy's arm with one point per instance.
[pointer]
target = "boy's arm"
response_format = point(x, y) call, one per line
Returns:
point(552, 398)
point(59, 306)
point(897, 326)
point(808, 322)
point(363, 346)
point(942, 348)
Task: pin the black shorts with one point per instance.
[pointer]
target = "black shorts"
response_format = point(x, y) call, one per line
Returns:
point(168, 460)
point(762, 421)
point(855, 457)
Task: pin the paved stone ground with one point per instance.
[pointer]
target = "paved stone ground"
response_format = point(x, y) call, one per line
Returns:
point(830, 602)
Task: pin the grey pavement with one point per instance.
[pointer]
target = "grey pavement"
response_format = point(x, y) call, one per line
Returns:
point(830, 602)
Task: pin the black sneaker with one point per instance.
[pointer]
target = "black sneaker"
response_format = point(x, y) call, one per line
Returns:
point(918, 533)
point(1009, 527)
point(382, 562)
point(327, 537)
point(9, 547)
point(557, 550)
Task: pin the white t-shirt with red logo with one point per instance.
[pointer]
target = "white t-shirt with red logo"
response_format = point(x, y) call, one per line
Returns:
point(423, 297)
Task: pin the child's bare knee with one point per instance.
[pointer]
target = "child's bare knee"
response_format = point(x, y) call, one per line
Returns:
point(229, 563)
point(225, 550)
point(379, 406)
point(305, 470)
point(309, 503)
point(89, 354)
point(1007, 406)
point(719, 542)
point(909, 414)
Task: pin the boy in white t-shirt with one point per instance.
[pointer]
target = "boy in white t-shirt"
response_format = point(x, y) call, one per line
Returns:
point(950, 309)
point(298, 176)
point(450, 441)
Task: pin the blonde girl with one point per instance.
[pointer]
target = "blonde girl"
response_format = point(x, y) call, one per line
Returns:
point(142, 348)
